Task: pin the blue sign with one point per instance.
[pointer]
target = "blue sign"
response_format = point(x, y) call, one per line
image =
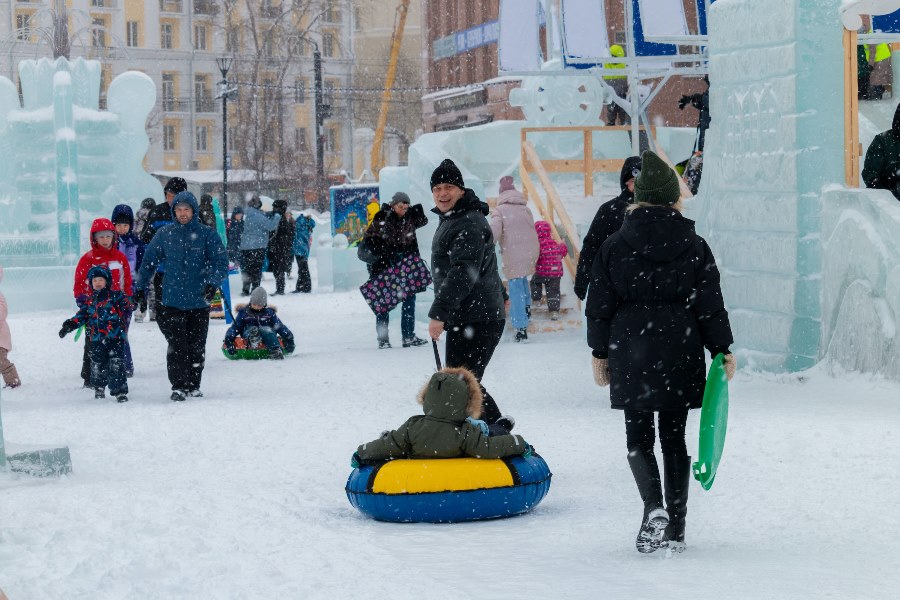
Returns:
point(463, 41)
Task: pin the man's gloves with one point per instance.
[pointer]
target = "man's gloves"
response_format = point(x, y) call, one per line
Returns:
point(529, 450)
point(67, 326)
point(480, 424)
point(355, 461)
point(581, 292)
point(730, 365)
point(210, 292)
point(601, 371)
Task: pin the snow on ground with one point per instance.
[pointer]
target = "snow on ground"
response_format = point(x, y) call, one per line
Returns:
point(240, 494)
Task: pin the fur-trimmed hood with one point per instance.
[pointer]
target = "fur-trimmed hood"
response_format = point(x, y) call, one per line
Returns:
point(452, 393)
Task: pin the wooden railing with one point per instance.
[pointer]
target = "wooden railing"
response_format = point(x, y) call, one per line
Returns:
point(553, 209)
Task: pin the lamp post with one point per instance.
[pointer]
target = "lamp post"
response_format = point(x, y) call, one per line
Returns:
point(224, 64)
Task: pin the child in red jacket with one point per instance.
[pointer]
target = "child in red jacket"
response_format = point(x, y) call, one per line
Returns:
point(549, 268)
point(104, 251)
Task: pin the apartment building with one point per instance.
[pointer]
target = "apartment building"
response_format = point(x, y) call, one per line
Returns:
point(176, 43)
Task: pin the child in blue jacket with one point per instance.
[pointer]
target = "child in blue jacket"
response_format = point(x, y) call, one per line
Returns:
point(258, 324)
point(104, 317)
point(303, 230)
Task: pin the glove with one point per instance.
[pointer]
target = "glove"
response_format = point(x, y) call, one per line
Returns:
point(210, 292)
point(67, 326)
point(480, 424)
point(529, 450)
point(730, 365)
point(138, 297)
point(289, 345)
point(81, 300)
point(230, 349)
point(354, 461)
point(684, 102)
point(581, 292)
point(601, 371)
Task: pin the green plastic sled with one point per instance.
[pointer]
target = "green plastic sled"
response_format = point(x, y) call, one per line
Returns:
point(713, 424)
point(245, 353)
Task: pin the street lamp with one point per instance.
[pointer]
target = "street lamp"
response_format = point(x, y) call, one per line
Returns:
point(224, 64)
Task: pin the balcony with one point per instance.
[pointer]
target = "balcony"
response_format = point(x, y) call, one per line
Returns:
point(205, 7)
point(171, 6)
point(205, 105)
point(104, 4)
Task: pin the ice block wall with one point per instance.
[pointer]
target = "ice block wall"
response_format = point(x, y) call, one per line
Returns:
point(776, 138)
point(65, 163)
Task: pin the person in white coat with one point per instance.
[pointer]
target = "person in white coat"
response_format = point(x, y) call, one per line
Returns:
point(513, 227)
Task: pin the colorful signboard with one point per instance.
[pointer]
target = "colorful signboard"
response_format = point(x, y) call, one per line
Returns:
point(348, 209)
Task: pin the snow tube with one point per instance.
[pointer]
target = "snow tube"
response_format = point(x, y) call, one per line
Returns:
point(449, 490)
point(244, 352)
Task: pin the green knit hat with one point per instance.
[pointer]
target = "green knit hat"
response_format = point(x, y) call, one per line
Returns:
point(657, 182)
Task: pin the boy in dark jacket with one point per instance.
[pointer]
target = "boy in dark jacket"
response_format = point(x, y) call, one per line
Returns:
point(450, 428)
point(258, 324)
point(103, 315)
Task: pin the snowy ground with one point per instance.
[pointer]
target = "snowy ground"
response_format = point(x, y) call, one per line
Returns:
point(241, 494)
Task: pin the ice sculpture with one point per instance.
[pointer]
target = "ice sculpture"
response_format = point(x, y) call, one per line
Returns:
point(66, 162)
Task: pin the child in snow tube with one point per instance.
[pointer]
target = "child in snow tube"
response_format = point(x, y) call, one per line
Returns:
point(256, 330)
point(454, 489)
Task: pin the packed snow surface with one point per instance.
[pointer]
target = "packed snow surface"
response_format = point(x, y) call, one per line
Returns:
point(240, 494)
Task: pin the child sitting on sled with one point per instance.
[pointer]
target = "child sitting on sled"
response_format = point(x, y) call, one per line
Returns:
point(450, 428)
point(104, 315)
point(259, 326)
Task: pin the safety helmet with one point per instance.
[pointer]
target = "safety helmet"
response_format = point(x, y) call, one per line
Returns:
point(617, 50)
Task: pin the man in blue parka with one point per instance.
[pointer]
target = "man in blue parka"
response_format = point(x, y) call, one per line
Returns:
point(196, 264)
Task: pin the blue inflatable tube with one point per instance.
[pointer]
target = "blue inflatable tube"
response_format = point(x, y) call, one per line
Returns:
point(449, 490)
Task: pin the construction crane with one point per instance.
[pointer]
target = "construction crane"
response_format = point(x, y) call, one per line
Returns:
point(396, 39)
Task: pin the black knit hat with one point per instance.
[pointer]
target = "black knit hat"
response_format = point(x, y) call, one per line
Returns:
point(447, 172)
point(175, 185)
point(657, 182)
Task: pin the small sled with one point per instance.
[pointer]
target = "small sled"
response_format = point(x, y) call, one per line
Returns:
point(245, 352)
point(713, 424)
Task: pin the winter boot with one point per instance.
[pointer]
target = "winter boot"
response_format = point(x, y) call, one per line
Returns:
point(554, 315)
point(11, 377)
point(521, 334)
point(121, 398)
point(678, 477)
point(646, 476)
point(383, 344)
point(99, 393)
point(178, 396)
point(276, 355)
point(413, 341)
point(195, 393)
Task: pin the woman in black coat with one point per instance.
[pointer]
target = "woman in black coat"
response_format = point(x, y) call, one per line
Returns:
point(392, 235)
point(654, 304)
point(281, 244)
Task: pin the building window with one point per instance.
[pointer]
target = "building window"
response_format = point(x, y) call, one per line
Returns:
point(131, 34)
point(328, 94)
point(232, 39)
point(327, 44)
point(202, 101)
point(165, 36)
point(301, 141)
point(333, 13)
point(23, 25)
point(168, 91)
point(98, 33)
point(300, 91)
point(232, 139)
point(169, 137)
point(200, 138)
point(331, 139)
point(199, 37)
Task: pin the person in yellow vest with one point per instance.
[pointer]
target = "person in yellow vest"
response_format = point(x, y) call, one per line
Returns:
point(372, 209)
point(882, 73)
point(619, 84)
